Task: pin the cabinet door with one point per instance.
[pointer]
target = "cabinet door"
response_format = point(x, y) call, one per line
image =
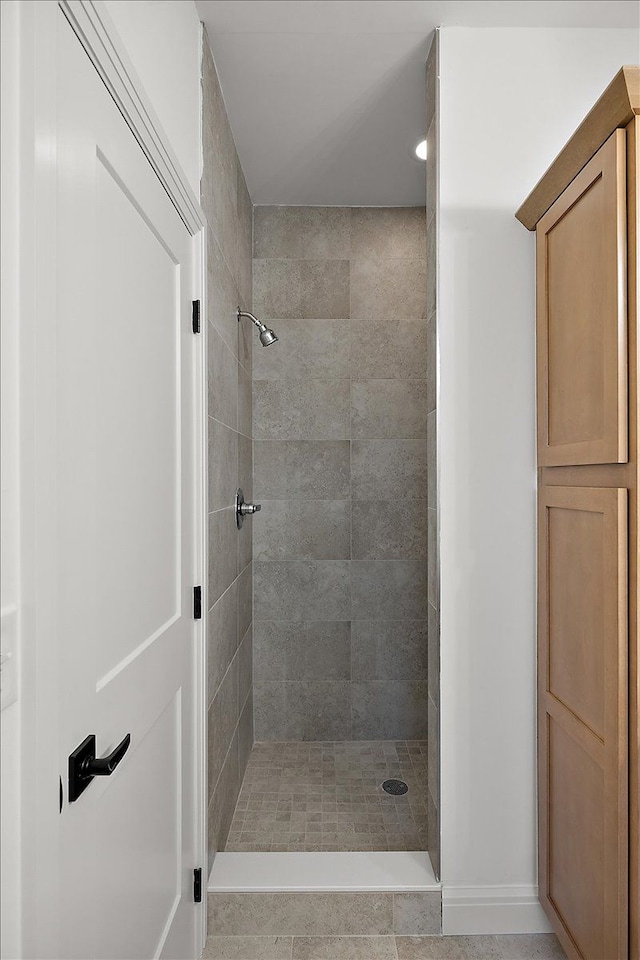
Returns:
point(582, 718)
point(581, 310)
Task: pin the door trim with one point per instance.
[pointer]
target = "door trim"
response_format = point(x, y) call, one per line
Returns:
point(95, 30)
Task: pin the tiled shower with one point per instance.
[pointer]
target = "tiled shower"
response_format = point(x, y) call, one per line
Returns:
point(318, 688)
point(340, 428)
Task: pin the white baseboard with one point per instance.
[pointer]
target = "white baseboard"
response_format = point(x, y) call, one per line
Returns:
point(487, 910)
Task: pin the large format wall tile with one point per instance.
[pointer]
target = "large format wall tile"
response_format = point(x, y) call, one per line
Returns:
point(301, 409)
point(296, 289)
point(324, 289)
point(307, 650)
point(277, 289)
point(432, 195)
point(245, 668)
point(432, 363)
point(245, 732)
point(315, 233)
point(389, 349)
point(389, 710)
point(223, 381)
point(222, 634)
point(223, 468)
point(433, 748)
point(340, 466)
point(389, 650)
point(388, 590)
point(227, 206)
point(225, 795)
point(302, 590)
point(245, 601)
point(389, 530)
point(270, 716)
point(303, 530)
point(430, 276)
point(392, 233)
point(223, 293)
point(382, 409)
point(244, 239)
point(245, 400)
point(318, 710)
point(223, 720)
point(433, 655)
point(302, 469)
point(388, 469)
point(306, 349)
point(223, 561)
point(245, 465)
point(432, 453)
point(388, 289)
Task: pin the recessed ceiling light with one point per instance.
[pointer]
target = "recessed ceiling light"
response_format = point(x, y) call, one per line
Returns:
point(421, 150)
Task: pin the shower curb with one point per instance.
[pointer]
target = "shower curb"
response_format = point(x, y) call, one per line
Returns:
point(325, 914)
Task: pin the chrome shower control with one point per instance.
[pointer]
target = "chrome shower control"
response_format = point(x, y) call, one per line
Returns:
point(244, 509)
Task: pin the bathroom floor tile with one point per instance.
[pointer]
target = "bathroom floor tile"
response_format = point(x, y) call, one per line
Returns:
point(247, 948)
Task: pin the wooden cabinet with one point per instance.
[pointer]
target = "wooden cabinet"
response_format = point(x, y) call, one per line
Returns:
point(582, 714)
point(582, 323)
point(585, 213)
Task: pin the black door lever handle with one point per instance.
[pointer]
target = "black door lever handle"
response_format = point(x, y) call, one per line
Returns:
point(84, 765)
point(104, 767)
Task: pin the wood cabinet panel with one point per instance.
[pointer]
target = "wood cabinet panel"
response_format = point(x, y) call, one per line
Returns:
point(582, 715)
point(576, 613)
point(581, 307)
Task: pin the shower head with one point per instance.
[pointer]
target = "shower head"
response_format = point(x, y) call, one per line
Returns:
point(267, 336)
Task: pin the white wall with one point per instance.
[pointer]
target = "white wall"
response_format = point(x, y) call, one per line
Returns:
point(10, 818)
point(510, 98)
point(162, 38)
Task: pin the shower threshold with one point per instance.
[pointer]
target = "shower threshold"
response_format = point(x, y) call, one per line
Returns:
point(320, 872)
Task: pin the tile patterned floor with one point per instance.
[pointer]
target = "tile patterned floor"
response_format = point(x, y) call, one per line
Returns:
point(328, 796)
point(512, 947)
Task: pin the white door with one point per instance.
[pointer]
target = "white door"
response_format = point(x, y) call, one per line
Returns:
point(126, 538)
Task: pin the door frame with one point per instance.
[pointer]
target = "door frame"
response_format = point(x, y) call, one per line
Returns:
point(35, 838)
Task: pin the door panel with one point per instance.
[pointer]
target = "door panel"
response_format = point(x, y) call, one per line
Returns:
point(136, 325)
point(581, 306)
point(582, 716)
point(126, 516)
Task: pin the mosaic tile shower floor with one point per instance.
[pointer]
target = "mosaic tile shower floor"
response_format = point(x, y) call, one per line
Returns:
point(329, 796)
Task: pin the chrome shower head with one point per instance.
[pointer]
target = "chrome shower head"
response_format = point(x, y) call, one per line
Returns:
point(267, 336)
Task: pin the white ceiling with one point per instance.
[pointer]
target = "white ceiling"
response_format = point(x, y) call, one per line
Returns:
point(326, 97)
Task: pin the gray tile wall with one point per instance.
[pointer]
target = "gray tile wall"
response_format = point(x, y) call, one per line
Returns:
point(433, 611)
point(227, 205)
point(340, 467)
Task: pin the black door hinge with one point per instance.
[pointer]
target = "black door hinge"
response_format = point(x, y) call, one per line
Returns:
point(197, 603)
point(195, 315)
point(197, 885)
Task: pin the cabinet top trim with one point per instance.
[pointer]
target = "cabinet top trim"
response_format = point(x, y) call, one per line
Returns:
point(615, 108)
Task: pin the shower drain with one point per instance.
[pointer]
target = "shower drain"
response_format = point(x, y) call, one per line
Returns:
point(395, 787)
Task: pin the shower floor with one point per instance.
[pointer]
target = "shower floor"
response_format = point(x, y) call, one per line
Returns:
point(329, 796)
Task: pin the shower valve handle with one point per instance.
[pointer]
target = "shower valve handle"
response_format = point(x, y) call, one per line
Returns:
point(244, 509)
